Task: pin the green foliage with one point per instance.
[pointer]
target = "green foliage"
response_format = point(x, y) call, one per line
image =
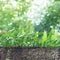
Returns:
point(51, 18)
point(57, 0)
point(44, 38)
point(52, 40)
point(14, 24)
point(17, 30)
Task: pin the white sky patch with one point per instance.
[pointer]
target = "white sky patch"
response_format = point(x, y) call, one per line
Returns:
point(13, 2)
point(36, 10)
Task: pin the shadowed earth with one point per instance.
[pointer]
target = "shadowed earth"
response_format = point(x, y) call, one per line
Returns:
point(29, 53)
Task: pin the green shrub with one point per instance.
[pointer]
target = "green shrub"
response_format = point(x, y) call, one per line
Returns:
point(17, 30)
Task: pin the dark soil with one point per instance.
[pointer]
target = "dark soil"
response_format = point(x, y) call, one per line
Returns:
point(29, 53)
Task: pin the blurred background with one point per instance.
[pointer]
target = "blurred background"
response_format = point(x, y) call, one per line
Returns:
point(29, 23)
